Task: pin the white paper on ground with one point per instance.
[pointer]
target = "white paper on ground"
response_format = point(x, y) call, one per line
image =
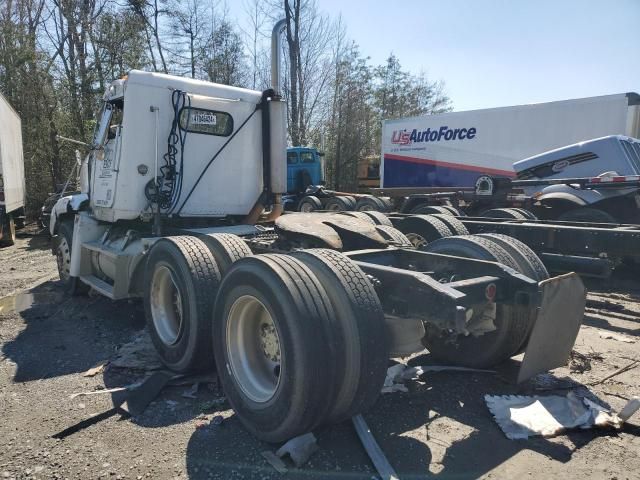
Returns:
point(526, 416)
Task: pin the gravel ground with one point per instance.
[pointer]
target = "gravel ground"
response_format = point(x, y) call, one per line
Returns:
point(440, 428)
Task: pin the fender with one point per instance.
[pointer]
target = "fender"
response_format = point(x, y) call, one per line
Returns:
point(66, 204)
point(564, 197)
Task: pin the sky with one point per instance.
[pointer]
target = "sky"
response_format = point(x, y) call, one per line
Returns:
point(493, 53)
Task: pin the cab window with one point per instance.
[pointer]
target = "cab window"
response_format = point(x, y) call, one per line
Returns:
point(209, 122)
point(307, 157)
point(292, 158)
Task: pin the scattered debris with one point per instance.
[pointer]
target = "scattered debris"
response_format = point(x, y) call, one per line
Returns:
point(299, 448)
point(632, 406)
point(521, 417)
point(417, 372)
point(217, 420)
point(548, 381)
point(614, 336)
point(138, 354)
point(191, 393)
point(140, 397)
point(99, 392)
point(578, 362)
point(93, 371)
point(214, 404)
point(274, 461)
point(626, 368)
point(384, 468)
point(399, 373)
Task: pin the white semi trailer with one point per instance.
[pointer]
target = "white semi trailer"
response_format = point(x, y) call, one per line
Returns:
point(180, 206)
point(454, 149)
point(12, 185)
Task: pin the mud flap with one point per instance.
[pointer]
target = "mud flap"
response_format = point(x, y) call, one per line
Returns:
point(559, 319)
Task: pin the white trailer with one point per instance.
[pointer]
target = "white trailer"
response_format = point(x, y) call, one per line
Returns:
point(12, 186)
point(454, 149)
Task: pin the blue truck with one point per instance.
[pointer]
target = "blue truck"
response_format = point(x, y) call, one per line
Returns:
point(306, 191)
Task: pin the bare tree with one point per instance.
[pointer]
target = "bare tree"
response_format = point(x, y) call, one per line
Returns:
point(150, 13)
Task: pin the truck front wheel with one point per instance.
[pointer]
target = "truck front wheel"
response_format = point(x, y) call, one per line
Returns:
point(181, 282)
point(63, 258)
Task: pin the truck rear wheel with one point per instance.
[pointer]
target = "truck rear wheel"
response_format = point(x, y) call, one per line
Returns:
point(361, 330)
point(226, 248)
point(338, 204)
point(361, 215)
point(456, 212)
point(369, 202)
point(351, 201)
point(455, 225)
point(181, 280)
point(427, 209)
point(378, 217)
point(273, 347)
point(394, 235)
point(529, 263)
point(422, 229)
point(512, 325)
point(586, 214)
point(8, 237)
point(309, 203)
point(503, 213)
point(527, 214)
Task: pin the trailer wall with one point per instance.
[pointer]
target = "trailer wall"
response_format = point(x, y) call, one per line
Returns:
point(11, 159)
point(453, 149)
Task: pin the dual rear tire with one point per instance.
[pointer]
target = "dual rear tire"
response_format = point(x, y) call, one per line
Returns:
point(298, 340)
point(512, 323)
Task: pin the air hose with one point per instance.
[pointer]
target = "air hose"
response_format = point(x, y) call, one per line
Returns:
point(166, 188)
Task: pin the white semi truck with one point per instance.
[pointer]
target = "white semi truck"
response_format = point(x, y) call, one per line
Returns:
point(454, 149)
point(180, 205)
point(12, 185)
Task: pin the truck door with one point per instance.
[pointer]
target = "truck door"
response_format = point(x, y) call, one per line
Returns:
point(107, 147)
point(293, 162)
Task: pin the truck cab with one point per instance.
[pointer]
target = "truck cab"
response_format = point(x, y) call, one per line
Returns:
point(304, 168)
point(610, 158)
point(614, 153)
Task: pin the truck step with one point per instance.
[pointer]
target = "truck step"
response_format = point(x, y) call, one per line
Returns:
point(102, 287)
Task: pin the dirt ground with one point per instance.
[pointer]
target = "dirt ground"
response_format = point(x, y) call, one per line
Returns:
point(440, 428)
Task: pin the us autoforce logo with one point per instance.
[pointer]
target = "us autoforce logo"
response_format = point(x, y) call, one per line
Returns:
point(444, 133)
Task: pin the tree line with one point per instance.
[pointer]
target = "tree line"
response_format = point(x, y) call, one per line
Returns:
point(58, 56)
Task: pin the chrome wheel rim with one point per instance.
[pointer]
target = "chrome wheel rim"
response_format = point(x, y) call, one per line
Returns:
point(166, 305)
point(63, 258)
point(253, 349)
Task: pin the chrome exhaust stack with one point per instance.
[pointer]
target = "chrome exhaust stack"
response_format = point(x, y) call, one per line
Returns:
point(276, 51)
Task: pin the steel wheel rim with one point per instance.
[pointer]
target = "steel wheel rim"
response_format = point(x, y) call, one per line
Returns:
point(306, 207)
point(253, 349)
point(365, 208)
point(334, 207)
point(416, 240)
point(63, 259)
point(166, 305)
